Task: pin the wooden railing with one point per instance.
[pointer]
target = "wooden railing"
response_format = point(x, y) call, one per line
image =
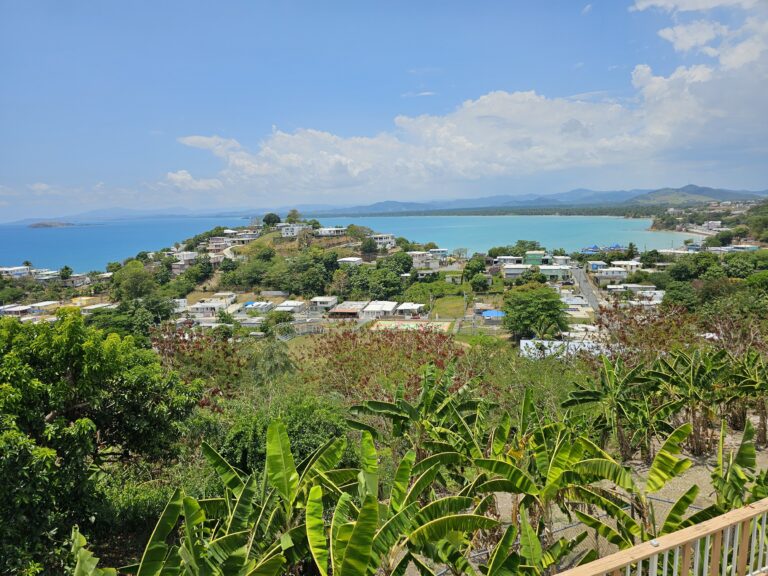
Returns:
point(734, 544)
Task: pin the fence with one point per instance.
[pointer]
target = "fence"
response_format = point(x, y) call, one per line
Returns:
point(734, 544)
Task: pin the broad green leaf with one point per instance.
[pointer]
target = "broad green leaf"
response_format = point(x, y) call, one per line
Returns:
point(502, 551)
point(238, 521)
point(270, 567)
point(341, 530)
point(666, 465)
point(421, 484)
point(318, 544)
point(444, 507)
point(678, 510)
point(518, 479)
point(400, 482)
point(604, 530)
point(281, 469)
point(357, 554)
point(443, 458)
point(229, 476)
point(441, 527)
point(369, 468)
point(607, 470)
point(530, 547)
point(157, 549)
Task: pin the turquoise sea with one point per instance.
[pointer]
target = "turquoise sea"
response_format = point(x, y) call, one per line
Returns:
point(90, 246)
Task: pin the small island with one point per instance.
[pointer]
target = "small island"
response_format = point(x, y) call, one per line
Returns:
point(50, 224)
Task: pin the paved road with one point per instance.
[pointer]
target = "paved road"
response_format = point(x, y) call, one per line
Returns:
point(587, 289)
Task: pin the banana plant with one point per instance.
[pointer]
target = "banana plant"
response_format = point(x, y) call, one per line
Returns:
point(751, 378)
point(734, 473)
point(630, 509)
point(86, 564)
point(429, 423)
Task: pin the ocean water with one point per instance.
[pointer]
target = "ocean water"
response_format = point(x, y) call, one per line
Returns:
point(90, 246)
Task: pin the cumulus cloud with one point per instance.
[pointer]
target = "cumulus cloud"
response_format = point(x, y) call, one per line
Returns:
point(694, 35)
point(672, 122)
point(183, 180)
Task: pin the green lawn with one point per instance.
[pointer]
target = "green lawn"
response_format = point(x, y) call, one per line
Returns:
point(448, 307)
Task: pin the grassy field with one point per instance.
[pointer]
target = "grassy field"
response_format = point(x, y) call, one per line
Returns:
point(448, 307)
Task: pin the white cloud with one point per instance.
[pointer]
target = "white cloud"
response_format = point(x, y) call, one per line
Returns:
point(183, 180)
point(39, 187)
point(693, 5)
point(587, 9)
point(689, 119)
point(685, 37)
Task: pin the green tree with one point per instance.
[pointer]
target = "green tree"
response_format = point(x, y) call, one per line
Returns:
point(65, 273)
point(479, 283)
point(133, 281)
point(368, 247)
point(271, 219)
point(530, 305)
point(680, 294)
point(473, 267)
point(293, 216)
point(72, 399)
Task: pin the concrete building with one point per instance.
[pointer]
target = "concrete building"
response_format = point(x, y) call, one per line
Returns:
point(420, 258)
point(291, 230)
point(322, 303)
point(379, 309)
point(207, 308)
point(611, 274)
point(384, 241)
point(503, 260)
point(260, 307)
point(292, 306)
point(331, 232)
point(15, 271)
point(628, 265)
point(410, 309)
point(348, 309)
point(350, 261)
point(595, 265)
point(536, 258)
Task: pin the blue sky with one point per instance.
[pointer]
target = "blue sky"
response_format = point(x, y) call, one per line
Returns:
point(256, 104)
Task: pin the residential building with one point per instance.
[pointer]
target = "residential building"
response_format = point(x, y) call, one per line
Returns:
point(207, 308)
point(46, 307)
point(611, 274)
point(76, 280)
point(561, 260)
point(15, 271)
point(502, 260)
point(744, 248)
point(379, 309)
point(331, 232)
point(260, 307)
point(180, 305)
point(713, 224)
point(422, 274)
point(291, 230)
point(420, 258)
point(292, 306)
point(15, 310)
point(628, 265)
point(536, 258)
point(595, 265)
point(439, 253)
point(410, 309)
point(350, 261)
point(228, 297)
point(348, 309)
point(384, 241)
point(555, 273)
point(323, 303)
point(513, 271)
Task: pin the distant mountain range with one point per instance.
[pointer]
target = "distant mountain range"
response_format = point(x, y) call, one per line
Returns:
point(580, 197)
point(687, 195)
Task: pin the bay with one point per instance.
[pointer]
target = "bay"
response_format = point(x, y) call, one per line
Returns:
point(90, 246)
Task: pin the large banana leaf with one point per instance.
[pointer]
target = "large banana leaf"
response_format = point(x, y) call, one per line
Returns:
point(666, 465)
point(530, 547)
point(501, 553)
point(400, 482)
point(369, 468)
point(518, 480)
point(156, 552)
point(442, 527)
point(421, 484)
point(675, 515)
point(357, 554)
point(280, 468)
point(318, 544)
point(444, 507)
point(86, 562)
point(443, 458)
point(229, 476)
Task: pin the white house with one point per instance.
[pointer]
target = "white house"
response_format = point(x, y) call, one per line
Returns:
point(292, 306)
point(207, 308)
point(410, 309)
point(562, 260)
point(15, 310)
point(291, 230)
point(420, 258)
point(228, 297)
point(628, 265)
point(502, 260)
point(15, 271)
point(514, 271)
point(323, 303)
point(439, 253)
point(383, 241)
point(350, 260)
point(331, 232)
point(379, 308)
point(611, 274)
point(555, 272)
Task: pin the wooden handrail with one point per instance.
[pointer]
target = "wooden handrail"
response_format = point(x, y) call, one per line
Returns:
point(614, 562)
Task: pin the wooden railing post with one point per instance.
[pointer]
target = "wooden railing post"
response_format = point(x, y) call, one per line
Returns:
point(743, 551)
point(717, 553)
point(686, 566)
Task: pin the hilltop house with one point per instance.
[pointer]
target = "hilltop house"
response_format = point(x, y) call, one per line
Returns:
point(595, 265)
point(292, 306)
point(331, 232)
point(323, 303)
point(383, 241)
point(288, 230)
point(628, 265)
point(15, 271)
point(379, 308)
point(207, 308)
point(348, 309)
point(350, 261)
